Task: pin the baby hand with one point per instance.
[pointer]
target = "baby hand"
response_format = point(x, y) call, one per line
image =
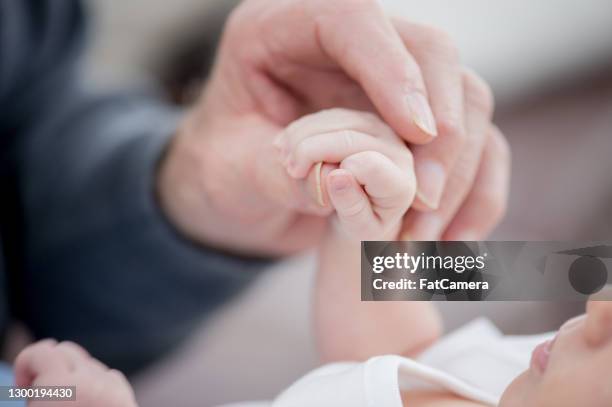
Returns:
point(48, 363)
point(362, 169)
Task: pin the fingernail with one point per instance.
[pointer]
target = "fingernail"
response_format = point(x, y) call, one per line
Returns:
point(421, 113)
point(406, 236)
point(431, 178)
point(339, 183)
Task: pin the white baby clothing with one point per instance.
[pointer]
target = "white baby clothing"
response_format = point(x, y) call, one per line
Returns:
point(476, 362)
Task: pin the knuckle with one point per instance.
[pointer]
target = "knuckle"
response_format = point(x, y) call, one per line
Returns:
point(453, 129)
point(478, 93)
point(347, 138)
point(441, 43)
point(39, 350)
point(73, 346)
point(44, 346)
point(305, 151)
point(464, 172)
point(367, 160)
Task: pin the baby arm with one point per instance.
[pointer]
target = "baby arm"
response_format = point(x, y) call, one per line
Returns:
point(48, 363)
point(368, 181)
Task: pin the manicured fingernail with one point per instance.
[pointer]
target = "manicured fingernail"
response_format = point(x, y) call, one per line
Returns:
point(340, 183)
point(431, 178)
point(421, 113)
point(319, 185)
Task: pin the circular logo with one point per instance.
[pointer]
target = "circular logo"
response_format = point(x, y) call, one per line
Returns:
point(588, 275)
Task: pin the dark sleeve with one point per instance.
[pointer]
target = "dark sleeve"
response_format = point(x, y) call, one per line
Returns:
point(97, 263)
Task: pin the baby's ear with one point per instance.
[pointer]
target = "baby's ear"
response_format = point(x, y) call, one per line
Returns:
point(598, 329)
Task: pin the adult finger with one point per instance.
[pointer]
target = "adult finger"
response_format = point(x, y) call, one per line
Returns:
point(486, 204)
point(442, 72)
point(431, 225)
point(361, 39)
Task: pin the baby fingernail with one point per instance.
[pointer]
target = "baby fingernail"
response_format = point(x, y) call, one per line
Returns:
point(339, 183)
point(431, 178)
point(421, 113)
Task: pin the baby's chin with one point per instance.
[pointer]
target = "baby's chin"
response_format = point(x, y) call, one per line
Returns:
point(517, 393)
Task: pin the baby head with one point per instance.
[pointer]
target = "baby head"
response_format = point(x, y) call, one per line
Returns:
point(574, 369)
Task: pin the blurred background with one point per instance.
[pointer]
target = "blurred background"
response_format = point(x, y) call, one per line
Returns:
point(550, 65)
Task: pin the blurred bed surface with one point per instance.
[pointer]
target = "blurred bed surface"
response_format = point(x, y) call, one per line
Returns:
point(543, 60)
point(519, 46)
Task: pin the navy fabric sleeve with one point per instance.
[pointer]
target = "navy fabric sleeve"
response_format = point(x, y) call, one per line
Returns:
point(3, 298)
point(97, 262)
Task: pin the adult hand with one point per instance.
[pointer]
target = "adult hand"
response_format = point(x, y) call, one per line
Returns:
point(279, 60)
point(475, 197)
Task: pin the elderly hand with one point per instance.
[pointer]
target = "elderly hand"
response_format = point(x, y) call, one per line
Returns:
point(281, 59)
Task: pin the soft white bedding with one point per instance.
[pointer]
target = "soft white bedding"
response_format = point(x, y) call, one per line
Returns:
point(476, 362)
